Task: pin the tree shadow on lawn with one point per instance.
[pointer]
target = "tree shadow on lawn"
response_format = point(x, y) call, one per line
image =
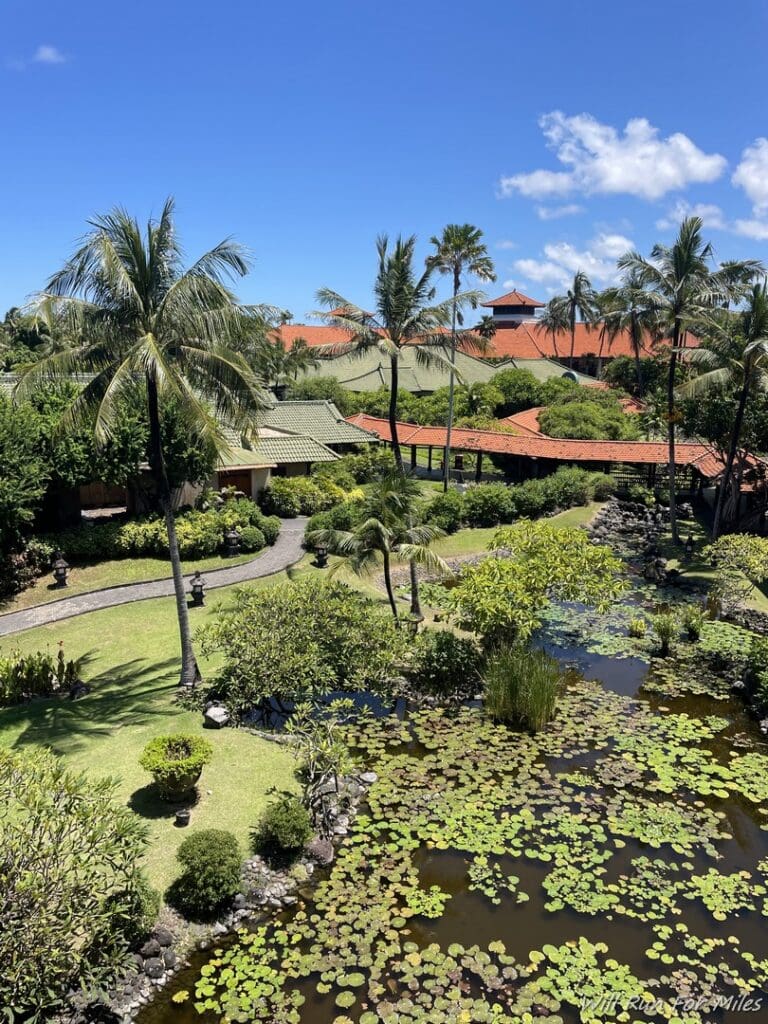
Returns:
point(125, 695)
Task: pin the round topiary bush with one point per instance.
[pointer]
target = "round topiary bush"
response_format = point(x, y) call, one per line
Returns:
point(211, 859)
point(251, 538)
point(285, 824)
point(176, 763)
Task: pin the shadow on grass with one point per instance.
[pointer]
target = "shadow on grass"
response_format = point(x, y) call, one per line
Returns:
point(148, 803)
point(126, 695)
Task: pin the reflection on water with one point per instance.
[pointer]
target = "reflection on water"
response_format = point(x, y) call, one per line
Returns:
point(469, 917)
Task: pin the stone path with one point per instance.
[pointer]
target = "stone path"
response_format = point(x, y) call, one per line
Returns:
point(286, 551)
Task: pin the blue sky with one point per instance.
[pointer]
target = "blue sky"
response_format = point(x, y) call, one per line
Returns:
point(565, 130)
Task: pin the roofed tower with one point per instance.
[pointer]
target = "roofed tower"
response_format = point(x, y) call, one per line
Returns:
point(513, 307)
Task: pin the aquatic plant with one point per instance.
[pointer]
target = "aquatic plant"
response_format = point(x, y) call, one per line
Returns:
point(521, 686)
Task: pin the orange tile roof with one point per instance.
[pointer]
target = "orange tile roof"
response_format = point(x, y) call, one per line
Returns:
point(315, 335)
point(514, 298)
point(642, 453)
point(525, 422)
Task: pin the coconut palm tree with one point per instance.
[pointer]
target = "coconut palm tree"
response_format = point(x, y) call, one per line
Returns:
point(553, 320)
point(562, 311)
point(277, 363)
point(459, 250)
point(626, 309)
point(141, 318)
point(682, 289)
point(737, 356)
point(386, 533)
point(405, 314)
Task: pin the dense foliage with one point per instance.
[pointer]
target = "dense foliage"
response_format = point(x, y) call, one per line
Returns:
point(200, 533)
point(69, 876)
point(288, 497)
point(285, 825)
point(211, 859)
point(503, 598)
point(521, 686)
point(590, 419)
point(36, 674)
point(299, 640)
point(444, 665)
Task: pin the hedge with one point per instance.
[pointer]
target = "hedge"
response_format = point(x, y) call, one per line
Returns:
point(200, 533)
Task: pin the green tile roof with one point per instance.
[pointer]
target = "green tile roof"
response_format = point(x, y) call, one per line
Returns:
point(318, 419)
point(371, 371)
point(544, 369)
point(288, 448)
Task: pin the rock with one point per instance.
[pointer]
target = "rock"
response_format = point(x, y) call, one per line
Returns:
point(78, 690)
point(162, 936)
point(154, 967)
point(368, 778)
point(219, 929)
point(151, 948)
point(216, 717)
point(321, 849)
point(169, 958)
point(239, 901)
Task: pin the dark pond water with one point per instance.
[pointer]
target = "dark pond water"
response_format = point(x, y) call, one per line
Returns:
point(469, 917)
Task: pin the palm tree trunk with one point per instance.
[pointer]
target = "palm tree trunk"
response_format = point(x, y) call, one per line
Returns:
point(393, 383)
point(671, 432)
point(388, 585)
point(733, 449)
point(573, 339)
point(451, 387)
point(190, 673)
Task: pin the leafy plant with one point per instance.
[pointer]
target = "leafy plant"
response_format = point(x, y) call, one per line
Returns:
point(211, 860)
point(443, 664)
point(521, 686)
point(692, 619)
point(637, 628)
point(285, 824)
point(666, 627)
point(69, 854)
point(176, 762)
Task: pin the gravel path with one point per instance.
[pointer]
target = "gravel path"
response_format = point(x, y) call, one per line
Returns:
point(286, 551)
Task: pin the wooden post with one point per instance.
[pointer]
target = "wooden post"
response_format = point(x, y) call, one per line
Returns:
point(429, 458)
point(413, 456)
point(479, 467)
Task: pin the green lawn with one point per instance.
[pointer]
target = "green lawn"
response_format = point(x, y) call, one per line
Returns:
point(111, 573)
point(132, 667)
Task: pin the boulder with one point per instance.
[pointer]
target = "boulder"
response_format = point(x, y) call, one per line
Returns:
point(170, 959)
point(154, 967)
point(162, 936)
point(151, 948)
point(321, 849)
point(216, 717)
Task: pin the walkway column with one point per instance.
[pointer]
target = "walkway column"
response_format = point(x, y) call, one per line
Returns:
point(479, 467)
point(413, 456)
point(429, 458)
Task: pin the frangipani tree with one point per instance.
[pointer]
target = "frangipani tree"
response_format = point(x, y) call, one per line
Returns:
point(141, 318)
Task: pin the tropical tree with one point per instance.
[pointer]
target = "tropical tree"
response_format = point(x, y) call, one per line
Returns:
point(626, 309)
point(459, 250)
point(140, 316)
point(385, 533)
point(278, 363)
point(562, 311)
point(405, 314)
point(736, 357)
point(683, 289)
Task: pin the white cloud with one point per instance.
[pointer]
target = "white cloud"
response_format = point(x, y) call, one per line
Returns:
point(752, 228)
point(562, 260)
point(505, 243)
point(555, 212)
point(752, 174)
point(47, 54)
point(601, 160)
point(712, 216)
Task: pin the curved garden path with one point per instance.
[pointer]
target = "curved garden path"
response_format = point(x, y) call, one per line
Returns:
point(285, 552)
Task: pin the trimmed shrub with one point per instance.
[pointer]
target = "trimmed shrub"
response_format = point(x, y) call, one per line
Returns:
point(488, 505)
point(299, 496)
point(533, 498)
point(176, 762)
point(211, 859)
point(444, 664)
point(251, 538)
point(602, 485)
point(445, 511)
point(521, 686)
point(285, 824)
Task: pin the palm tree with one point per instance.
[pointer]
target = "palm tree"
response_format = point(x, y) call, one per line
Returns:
point(626, 309)
point(141, 318)
point(405, 315)
point(682, 289)
point(553, 320)
point(737, 356)
point(561, 312)
point(385, 533)
point(278, 364)
point(459, 250)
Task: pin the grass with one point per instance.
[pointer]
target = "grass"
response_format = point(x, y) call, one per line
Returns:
point(111, 573)
point(132, 668)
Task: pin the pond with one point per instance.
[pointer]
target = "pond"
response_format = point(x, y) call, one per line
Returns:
point(613, 867)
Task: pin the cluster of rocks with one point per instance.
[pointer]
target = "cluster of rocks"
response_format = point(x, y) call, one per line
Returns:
point(155, 963)
point(634, 531)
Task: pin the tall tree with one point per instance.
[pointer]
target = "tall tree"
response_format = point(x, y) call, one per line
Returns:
point(626, 309)
point(562, 312)
point(405, 314)
point(386, 533)
point(138, 314)
point(278, 363)
point(736, 357)
point(459, 250)
point(683, 289)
